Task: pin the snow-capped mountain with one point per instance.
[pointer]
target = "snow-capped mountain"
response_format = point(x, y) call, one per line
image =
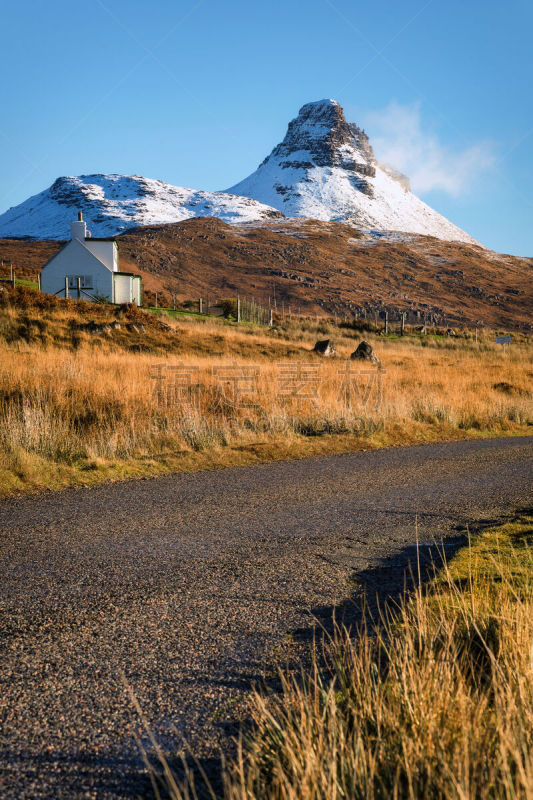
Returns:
point(113, 203)
point(325, 169)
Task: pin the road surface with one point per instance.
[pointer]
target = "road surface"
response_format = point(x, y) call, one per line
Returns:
point(193, 587)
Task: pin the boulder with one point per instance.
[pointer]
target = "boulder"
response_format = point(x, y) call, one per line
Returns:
point(365, 352)
point(164, 326)
point(325, 347)
point(97, 328)
point(141, 348)
point(135, 327)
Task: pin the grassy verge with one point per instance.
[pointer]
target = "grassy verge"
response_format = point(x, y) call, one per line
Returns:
point(176, 313)
point(23, 471)
point(435, 703)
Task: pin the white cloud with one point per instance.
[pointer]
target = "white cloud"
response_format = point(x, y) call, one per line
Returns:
point(399, 140)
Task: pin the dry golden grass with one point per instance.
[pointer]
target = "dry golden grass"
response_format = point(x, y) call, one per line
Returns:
point(435, 702)
point(79, 408)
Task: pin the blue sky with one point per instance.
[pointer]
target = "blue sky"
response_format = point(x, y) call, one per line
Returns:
point(197, 92)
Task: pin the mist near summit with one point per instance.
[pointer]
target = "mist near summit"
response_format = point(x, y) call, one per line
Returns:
point(401, 139)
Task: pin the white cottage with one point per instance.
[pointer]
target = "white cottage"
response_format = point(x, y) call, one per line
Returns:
point(88, 268)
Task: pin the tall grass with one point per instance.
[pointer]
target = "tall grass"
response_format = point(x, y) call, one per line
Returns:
point(93, 400)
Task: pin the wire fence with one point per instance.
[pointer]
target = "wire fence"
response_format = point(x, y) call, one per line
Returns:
point(249, 311)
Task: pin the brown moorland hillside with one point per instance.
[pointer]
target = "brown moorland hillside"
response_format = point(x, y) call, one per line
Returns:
point(319, 267)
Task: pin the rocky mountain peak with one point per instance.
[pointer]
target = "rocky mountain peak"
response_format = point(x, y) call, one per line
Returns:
point(320, 136)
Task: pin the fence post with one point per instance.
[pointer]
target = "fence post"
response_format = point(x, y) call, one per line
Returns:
point(78, 286)
point(207, 304)
point(403, 323)
point(238, 309)
point(270, 322)
point(386, 322)
point(66, 287)
point(200, 305)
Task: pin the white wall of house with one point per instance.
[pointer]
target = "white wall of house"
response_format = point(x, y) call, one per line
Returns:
point(127, 288)
point(136, 289)
point(107, 252)
point(123, 288)
point(75, 259)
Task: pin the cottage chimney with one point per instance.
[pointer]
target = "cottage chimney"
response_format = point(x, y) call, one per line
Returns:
point(78, 230)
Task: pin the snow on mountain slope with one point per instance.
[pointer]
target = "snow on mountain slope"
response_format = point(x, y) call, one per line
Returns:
point(325, 169)
point(113, 203)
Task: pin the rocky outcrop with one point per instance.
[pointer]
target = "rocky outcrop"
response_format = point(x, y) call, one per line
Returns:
point(325, 347)
point(321, 130)
point(365, 352)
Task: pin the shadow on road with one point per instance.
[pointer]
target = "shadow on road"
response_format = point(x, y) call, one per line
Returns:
point(377, 590)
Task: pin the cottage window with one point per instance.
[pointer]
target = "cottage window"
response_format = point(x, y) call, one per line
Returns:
point(86, 281)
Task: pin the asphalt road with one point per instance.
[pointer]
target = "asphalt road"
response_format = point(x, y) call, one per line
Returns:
point(194, 586)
